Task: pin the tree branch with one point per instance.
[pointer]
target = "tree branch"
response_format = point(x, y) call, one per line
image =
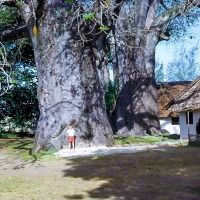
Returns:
point(153, 6)
point(164, 5)
point(195, 3)
point(175, 11)
point(14, 34)
point(10, 3)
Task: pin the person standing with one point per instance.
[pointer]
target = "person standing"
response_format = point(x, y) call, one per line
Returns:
point(71, 136)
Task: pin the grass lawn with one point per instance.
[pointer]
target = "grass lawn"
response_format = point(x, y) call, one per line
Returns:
point(146, 139)
point(166, 173)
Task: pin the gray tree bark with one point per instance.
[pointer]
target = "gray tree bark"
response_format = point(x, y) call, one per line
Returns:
point(70, 88)
point(136, 111)
point(70, 80)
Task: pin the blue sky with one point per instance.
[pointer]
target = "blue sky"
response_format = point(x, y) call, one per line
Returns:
point(165, 50)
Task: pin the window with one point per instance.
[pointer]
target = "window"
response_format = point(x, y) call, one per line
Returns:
point(175, 120)
point(190, 117)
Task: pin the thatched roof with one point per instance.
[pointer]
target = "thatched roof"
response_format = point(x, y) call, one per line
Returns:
point(166, 92)
point(187, 100)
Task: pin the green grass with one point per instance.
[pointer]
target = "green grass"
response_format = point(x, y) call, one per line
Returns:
point(23, 149)
point(145, 139)
point(170, 173)
point(106, 177)
point(7, 135)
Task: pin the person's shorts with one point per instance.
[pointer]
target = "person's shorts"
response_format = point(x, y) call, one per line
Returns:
point(71, 139)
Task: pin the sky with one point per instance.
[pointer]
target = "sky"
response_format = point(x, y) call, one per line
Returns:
point(166, 50)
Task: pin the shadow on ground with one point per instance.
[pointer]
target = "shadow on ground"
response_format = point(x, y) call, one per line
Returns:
point(18, 147)
point(167, 173)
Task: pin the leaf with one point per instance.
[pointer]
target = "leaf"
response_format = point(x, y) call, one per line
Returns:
point(103, 28)
point(58, 9)
point(13, 82)
point(69, 1)
point(19, 3)
point(88, 16)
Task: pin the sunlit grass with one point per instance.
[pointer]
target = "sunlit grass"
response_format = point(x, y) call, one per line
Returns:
point(144, 139)
point(102, 177)
point(23, 149)
point(7, 135)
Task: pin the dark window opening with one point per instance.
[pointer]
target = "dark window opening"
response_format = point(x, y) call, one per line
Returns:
point(190, 118)
point(175, 120)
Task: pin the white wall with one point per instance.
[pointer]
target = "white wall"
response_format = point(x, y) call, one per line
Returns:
point(166, 123)
point(184, 126)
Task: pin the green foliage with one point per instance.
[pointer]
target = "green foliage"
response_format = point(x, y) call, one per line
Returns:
point(9, 17)
point(58, 9)
point(20, 103)
point(103, 28)
point(8, 135)
point(111, 91)
point(19, 3)
point(89, 16)
point(69, 1)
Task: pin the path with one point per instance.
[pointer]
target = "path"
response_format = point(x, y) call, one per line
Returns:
point(100, 151)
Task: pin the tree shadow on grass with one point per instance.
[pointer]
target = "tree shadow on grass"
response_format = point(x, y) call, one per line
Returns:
point(172, 136)
point(169, 173)
point(23, 145)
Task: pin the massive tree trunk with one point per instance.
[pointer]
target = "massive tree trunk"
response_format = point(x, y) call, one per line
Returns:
point(70, 86)
point(136, 111)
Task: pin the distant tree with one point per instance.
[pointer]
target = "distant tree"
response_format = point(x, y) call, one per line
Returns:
point(159, 71)
point(111, 91)
point(19, 103)
point(10, 51)
point(184, 65)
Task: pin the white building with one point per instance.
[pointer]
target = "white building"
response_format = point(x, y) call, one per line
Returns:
point(187, 103)
point(169, 120)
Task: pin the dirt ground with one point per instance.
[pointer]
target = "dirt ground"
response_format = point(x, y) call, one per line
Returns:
point(159, 173)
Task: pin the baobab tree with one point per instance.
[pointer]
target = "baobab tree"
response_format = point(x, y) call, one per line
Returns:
point(71, 66)
point(133, 51)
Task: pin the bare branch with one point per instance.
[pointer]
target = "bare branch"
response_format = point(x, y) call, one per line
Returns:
point(176, 10)
point(195, 3)
point(14, 34)
point(152, 13)
point(164, 5)
point(11, 3)
point(4, 76)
